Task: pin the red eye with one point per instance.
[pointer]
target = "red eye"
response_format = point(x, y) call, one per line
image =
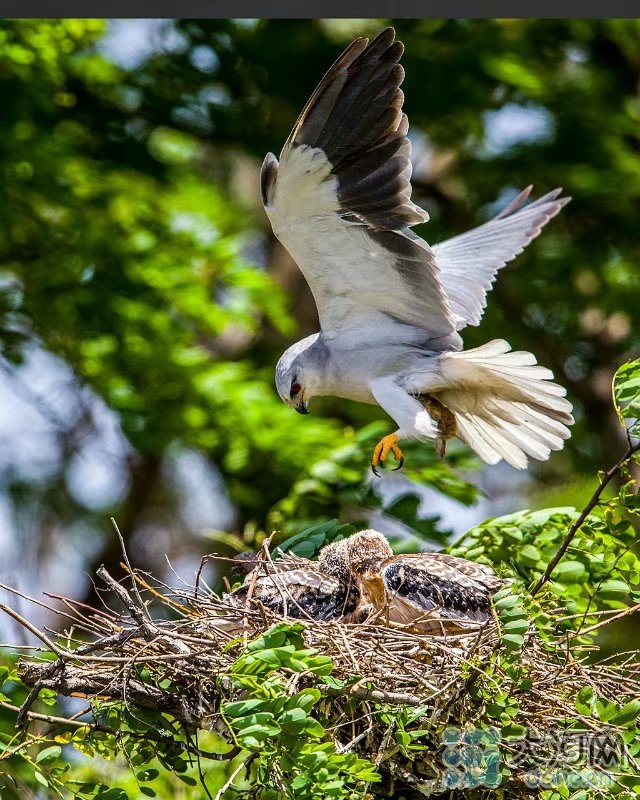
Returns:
point(295, 388)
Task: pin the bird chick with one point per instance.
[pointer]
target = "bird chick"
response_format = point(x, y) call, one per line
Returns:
point(428, 592)
point(301, 589)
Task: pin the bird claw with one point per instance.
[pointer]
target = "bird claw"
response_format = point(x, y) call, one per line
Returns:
point(388, 444)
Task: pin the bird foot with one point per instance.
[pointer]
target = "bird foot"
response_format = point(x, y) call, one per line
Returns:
point(388, 444)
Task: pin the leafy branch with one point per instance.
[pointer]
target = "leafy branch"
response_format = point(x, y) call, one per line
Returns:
point(626, 399)
point(593, 502)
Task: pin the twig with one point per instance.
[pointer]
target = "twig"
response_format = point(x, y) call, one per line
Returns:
point(136, 611)
point(394, 698)
point(624, 613)
point(593, 502)
point(149, 588)
point(98, 727)
point(50, 718)
point(51, 645)
point(134, 586)
point(47, 673)
point(149, 629)
point(233, 776)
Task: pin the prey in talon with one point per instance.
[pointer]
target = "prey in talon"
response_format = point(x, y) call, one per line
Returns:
point(445, 419)
point(391, 306)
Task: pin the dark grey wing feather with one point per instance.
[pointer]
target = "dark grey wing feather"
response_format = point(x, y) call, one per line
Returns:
point(340, 202)
point(355, 116)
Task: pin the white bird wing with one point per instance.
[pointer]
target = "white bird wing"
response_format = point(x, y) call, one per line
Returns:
point(340, 202)
point(470, 262)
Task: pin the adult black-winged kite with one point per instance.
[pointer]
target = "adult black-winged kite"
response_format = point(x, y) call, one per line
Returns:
point(390, 306)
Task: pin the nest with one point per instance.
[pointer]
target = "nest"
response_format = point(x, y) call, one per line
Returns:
point(384, 680)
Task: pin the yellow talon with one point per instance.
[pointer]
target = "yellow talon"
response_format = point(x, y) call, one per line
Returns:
point(388, 444)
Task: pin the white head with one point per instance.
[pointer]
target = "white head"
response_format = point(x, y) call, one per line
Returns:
point(299, 372)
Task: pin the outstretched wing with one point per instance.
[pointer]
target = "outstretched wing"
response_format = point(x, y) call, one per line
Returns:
point(340, 202)
point(458, 589)
point(470, 262)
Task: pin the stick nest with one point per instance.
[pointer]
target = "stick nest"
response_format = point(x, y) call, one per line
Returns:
point(174, 651)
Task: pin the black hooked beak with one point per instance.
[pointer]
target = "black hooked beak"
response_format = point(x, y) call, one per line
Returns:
point(301, 407)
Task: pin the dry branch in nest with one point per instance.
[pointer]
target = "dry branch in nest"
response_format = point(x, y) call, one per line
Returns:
point(176, 651)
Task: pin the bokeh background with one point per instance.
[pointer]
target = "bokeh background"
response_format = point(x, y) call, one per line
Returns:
point(144, 301)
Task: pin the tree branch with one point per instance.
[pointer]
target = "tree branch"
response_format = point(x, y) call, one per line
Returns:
point(97, 726)
point(593, 502)
point(70, 681)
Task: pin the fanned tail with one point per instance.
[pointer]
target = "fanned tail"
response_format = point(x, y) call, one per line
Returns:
point(506, 405)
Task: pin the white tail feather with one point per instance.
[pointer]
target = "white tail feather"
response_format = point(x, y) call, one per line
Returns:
point(505, 405)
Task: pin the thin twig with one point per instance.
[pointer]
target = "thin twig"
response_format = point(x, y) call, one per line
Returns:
point(51, 645)
point(149, 588)
point(624, 613)
point(134, 586)
point(233, 776)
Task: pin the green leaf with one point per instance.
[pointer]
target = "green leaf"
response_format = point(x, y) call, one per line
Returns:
point(263, 719)
point(585, 701)
point(49, 754)
point(293, 720)
point(614, 589)
point(313, 728)
point(48, 697)
point(529, 555)
point(253, 736)
point(606, 710)
point(40, 778)
point(296, 665)
point(513, 641)
point(305, 699)
point(506, 601)
point(147, 775)
point(570, 572)
point(188, 780)
point(503, 594)
point(628, 713)
point(516, 626)
point(626, 389)
point(241, 708)
point(514, 731)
